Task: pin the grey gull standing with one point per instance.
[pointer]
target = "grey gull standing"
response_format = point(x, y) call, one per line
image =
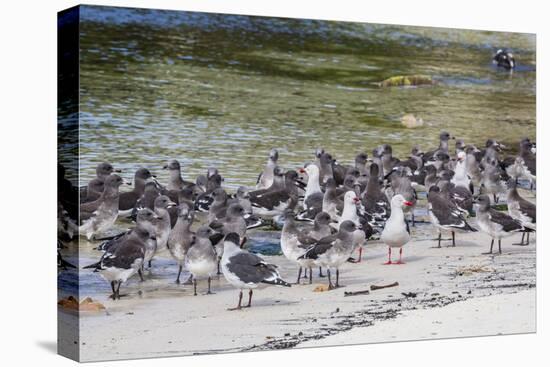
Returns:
point(493, 179)
point(333, 251)
point(496, 224)
point(244, 270)
point(444, 138)
point(375, 201)
point(313, 197)
point(181, 236)
point(265, 179)
point(127, 259)
point(94, 188)
point(461, 177)
point(232, 222)
point(396, 232)
point(332, 204)
point(294, 244)
point(271, 203)
point(175, 182)
point(387, 159)
point(100, 215)
point(163, 227)
point(521, 210)
point(128, 200)
point(201, 259)
point(445, 215)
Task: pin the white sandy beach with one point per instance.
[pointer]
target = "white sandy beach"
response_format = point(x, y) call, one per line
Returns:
point(450, 291)
point(510, 313)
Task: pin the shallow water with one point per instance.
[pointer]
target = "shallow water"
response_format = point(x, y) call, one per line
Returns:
point(212, 90)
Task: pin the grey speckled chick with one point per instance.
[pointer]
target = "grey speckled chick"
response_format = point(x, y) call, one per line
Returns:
point(202, 259)
point(181, 237)
point(163, 227)
point(100, 215)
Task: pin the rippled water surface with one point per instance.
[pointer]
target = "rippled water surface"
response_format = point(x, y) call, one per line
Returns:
point(220, 90)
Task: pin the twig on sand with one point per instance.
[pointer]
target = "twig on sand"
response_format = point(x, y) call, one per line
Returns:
point(357, 293)
point(377, 287)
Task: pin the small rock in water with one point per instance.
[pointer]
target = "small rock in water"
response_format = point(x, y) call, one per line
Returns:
point(411, 122)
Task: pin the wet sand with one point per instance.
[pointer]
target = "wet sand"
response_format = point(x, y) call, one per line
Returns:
point(449, 292)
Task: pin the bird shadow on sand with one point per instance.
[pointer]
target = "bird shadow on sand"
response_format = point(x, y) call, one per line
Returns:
point(469, 244)
point(270, 302)
point(48, 345)
point(412, 259)
point(369, 257)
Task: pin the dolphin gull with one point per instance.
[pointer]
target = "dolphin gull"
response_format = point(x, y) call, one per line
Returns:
point(244, 270)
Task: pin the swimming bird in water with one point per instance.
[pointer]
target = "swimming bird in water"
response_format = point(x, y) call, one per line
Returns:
point(504, 59)
point(244, 270)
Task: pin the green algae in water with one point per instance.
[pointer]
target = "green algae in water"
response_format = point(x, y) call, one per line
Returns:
point(407, 81)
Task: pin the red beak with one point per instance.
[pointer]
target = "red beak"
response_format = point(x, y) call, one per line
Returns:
point(356, 199)
point(408, 203)
point(301, 170)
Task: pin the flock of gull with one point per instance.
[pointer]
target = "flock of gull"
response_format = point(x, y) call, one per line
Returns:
point(329, 212)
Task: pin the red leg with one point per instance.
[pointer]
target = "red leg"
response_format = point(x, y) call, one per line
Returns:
point(400, 256)
point(389, 257)
point(360, 254)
